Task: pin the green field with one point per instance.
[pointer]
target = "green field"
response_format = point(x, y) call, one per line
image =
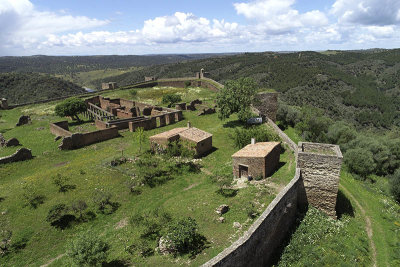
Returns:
point(88, 169)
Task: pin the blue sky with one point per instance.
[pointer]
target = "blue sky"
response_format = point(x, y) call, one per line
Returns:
point(92, 27)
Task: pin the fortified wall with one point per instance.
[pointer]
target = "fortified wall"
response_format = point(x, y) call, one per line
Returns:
point(315, 182)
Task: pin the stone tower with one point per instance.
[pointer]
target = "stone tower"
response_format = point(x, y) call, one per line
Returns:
point(320, 166)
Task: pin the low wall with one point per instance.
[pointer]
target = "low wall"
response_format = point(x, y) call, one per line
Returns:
point(258, 245)
point(80, 140)
point(60, 128)
point(20, 155)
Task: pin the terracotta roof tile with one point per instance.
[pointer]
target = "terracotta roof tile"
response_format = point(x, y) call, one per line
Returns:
point(257, 150)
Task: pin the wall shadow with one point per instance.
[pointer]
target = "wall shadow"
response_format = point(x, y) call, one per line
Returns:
point(343, 205)
point(212, 150)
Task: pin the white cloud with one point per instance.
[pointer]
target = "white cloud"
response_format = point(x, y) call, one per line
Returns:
point(278, 16)
point(22, 23)
point(367, 12)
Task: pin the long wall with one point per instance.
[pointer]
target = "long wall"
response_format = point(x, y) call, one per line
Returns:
point(258, 246)
point(80, 140)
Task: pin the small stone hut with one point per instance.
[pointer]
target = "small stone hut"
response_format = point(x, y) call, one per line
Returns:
point(109, 85)
point(256, 159)
point(202, 140)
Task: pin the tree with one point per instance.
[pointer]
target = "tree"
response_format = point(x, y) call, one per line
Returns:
point(88, 250)
point(360, 162)
point(171, 99)
point(140, 136)
point(394, 183)
point(71, 107)
point(236, 97)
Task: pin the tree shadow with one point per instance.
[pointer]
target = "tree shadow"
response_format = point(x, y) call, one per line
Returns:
point(2, 199)
point(116, 263)
point(227, 192)
point(110, 208)
point(67, 187)
point(343, 205)
point(233, 124)
point(64, 222)
point(199, 243)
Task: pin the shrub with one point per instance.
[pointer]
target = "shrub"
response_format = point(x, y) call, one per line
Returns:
point(62, 183)
point(188, 83)
point(184, 237)
point(171, 99)
point(360, 162)
point(151, 222)
point(31, 195)
point(59, 217)
point(79, 207)
point(394, 184)
point(133, 92)
point(242, 137)
point(102, 200)
point(87, 250)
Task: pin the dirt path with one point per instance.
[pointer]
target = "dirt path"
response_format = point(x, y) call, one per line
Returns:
point(52, 260)
point(368, 225)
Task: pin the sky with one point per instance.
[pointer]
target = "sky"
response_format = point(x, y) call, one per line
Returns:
point(130, 27)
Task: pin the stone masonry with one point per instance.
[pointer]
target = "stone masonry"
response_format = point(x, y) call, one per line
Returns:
point(320, 166)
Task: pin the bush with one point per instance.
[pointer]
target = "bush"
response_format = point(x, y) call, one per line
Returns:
point(87, 250)
point(79, 207)
point(133, 92)
point(62, 183)
point(102, 200)
point(151, 223)
point(188, 83)
point(184, 237)
point(394, 184)
point(180, 149)
point(59, 217)
point(360, 162)
point(242, 137)
point(31, 195)
point(171, 99)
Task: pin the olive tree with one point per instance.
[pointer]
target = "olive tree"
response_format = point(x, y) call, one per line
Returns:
point(71, 107)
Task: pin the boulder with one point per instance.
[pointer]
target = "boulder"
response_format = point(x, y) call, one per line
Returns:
point(165, 246)
point(20, 155)
point(12, 142)
point(237, 225)
point(221, 219)
point(2, 140)
point(222, 209)
point(23, 120)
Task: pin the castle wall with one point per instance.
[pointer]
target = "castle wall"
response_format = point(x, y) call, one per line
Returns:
point(258, 245)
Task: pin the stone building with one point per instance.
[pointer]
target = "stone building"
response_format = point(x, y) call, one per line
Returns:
point(202, 74)
point(201, 140)
point(320, 166)
point(256, 159)
point(149, 78)
point(109, 85)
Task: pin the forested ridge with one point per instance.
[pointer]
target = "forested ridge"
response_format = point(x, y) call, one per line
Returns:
point(28, 87)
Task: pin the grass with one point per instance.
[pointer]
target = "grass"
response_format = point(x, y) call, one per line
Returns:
point(88, 169)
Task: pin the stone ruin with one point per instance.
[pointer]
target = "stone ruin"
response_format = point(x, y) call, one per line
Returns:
point(8, 143)
point(109, 85)
point(196, 105)
point(3, 103)
point(202, 74)
point(20, 155)
point(125, 114)
point(149, 78)
point(24, 119)
point(320, 166)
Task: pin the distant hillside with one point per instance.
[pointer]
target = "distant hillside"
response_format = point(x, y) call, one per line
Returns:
point(73, 64)
point(22, 88)
point(360, 86)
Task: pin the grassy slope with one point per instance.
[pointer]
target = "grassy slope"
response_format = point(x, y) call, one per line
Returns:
point(88, 169)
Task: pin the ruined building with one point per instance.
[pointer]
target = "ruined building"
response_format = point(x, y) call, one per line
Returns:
point(109, 85)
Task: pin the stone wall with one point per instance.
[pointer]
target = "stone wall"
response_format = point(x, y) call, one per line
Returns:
point(272, 160)
point(285, 139)
point(60, 128)
point(267, 104)
point(20, 155)
point(256, 166)
point(258, 245)
point(80, 140)
point(320, 166)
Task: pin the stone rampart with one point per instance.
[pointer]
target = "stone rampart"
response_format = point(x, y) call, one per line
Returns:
point(292, 145)
point(20, 155)
point(258, 245)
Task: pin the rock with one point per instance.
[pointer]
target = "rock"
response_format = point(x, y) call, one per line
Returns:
point(237, 225)
point(206, 111)
point(12, 142)
point(20, 155)
point(57, 138)
point(2, 140)
point(23, 120)
point(39, 128)
point(222, 209)
point(165, 246)
point(221, 219)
